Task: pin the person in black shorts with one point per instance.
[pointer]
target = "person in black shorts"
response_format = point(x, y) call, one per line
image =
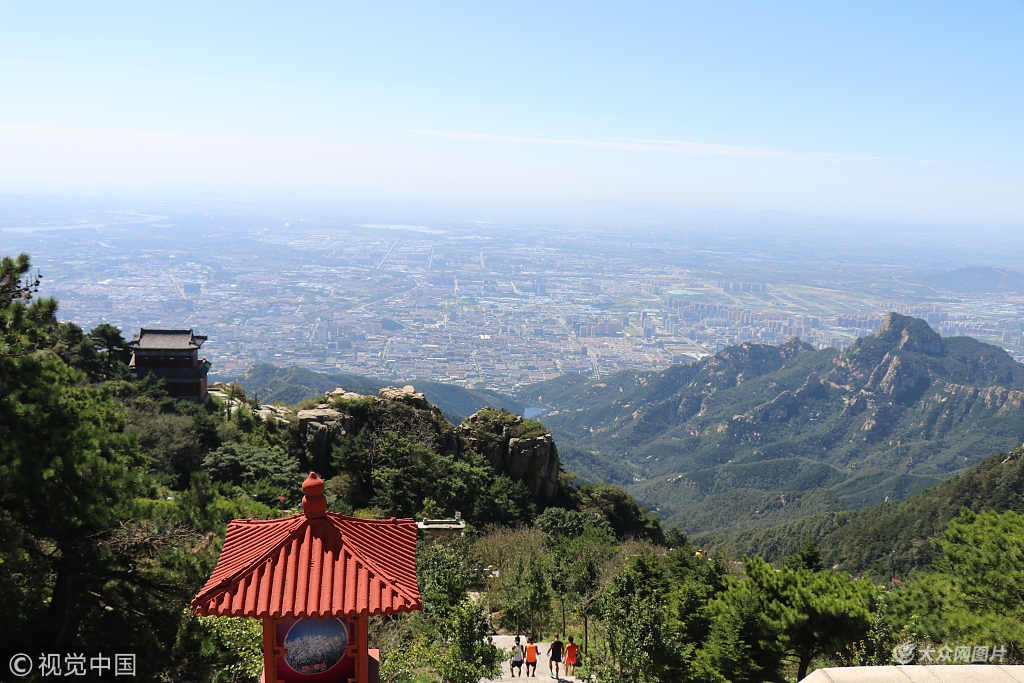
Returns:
point(518, 655)
point(531, 657)
point(554, 656)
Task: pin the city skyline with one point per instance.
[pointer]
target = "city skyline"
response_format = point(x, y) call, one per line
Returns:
point(490, 305)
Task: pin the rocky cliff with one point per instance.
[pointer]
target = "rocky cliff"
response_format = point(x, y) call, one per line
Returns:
point(321, 427)
point(521, 449)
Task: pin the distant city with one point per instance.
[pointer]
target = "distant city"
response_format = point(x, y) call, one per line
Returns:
point(475, 303)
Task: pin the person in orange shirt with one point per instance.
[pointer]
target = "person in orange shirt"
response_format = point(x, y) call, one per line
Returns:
point(571, 657)
point(531, 657)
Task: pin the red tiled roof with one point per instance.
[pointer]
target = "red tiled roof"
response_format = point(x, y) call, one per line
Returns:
point(312, 568)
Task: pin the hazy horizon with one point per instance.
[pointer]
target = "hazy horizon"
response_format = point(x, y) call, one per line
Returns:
point(858, 112)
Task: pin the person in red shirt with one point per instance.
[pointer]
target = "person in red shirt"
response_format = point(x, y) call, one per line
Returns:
point(571, 657)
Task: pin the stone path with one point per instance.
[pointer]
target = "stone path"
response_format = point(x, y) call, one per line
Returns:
point(506, 642)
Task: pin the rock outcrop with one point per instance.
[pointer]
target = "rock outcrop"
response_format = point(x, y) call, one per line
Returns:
point(520, 449)
point(855, 404)
point(531, 459)
point(278, 414)
point(406, 394)
point(321, 428)
point(341, 393)
point(903, 378)
point(812, 388)
point(779, 409)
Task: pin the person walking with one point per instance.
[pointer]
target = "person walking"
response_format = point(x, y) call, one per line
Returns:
point(572, 655)
point(531, 657)
point(518, 655)
point(555, 656)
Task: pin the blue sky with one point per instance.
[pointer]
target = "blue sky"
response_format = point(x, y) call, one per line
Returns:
point(910, 111)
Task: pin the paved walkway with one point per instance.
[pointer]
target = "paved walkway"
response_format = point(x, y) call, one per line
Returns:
point(506, 642)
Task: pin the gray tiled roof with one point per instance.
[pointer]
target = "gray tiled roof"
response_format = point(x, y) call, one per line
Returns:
point(178, 340)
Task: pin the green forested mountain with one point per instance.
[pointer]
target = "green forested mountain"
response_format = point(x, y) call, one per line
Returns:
point(859, 541)
point(293, 385)
point(758, 435)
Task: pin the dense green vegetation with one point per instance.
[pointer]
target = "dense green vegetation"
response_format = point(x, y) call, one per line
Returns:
point(890, 416)
point(973, 589)
point(647, 613)
point(114, 499)
point(860, 541)
point(405, 461)
point(94, 549)
point(519, 428)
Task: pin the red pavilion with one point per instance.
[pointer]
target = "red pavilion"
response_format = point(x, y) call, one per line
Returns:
point(314, 579)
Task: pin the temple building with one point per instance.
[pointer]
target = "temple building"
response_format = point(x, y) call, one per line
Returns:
point(173, 356)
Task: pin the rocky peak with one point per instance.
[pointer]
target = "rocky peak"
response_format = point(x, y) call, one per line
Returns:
point(873, 358)
point(793, 347)
point(910, 334)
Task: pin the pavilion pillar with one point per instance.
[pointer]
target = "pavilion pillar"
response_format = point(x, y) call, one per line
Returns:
point(269, 644)
point(362, 654)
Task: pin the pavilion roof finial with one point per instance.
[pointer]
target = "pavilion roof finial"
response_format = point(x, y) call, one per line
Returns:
point(314, 502)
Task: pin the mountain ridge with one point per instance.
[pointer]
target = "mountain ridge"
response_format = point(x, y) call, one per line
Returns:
point(890, 416)
point(977, 280)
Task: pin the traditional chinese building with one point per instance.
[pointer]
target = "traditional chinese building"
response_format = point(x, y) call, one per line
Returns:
point(173, 356)
point(314, 579)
